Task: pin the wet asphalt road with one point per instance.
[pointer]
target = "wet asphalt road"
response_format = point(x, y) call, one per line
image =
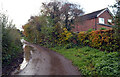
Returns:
point(47, 62)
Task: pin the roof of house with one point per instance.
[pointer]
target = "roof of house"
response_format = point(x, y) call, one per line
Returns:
point(94, 14)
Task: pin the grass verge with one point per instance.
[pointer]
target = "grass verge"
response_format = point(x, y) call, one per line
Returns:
point(91, 61)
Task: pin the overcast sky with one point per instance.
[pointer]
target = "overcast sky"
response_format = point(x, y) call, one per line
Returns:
point(21, 10)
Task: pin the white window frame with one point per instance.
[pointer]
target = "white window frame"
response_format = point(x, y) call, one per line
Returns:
point(101, 20)
point(110, 20)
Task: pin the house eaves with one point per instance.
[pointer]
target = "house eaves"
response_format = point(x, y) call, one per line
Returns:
point(105, 25)
point(91, 15)
point(101, 12)
point(106, 9)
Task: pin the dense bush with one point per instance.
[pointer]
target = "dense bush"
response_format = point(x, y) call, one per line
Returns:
point(65, 36)
point(90, 30)
point(40, 30)
point(102, 28)
point(101, 39)
point(83, 38)
point(11, 45)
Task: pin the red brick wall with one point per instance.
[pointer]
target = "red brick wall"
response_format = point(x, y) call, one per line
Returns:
point(106, 16)
point(85, 25)
point(90, 24)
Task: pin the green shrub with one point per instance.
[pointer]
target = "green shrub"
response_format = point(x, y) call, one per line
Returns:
point(11, 45)
point(90, 30)
point(102, 28)
point(70, 45)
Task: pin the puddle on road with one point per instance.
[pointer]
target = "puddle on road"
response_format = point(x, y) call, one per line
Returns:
point(28, 50)
point(27, 53)
point(23, 65)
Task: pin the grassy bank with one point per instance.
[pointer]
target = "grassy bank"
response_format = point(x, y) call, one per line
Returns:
point(91, 61)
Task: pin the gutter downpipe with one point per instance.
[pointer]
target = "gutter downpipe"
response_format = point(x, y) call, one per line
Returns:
point(95, 24)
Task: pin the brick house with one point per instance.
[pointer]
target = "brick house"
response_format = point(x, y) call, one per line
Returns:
point(95, 20)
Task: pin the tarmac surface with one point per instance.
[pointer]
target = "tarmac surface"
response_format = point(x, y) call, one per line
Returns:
point(47, 62)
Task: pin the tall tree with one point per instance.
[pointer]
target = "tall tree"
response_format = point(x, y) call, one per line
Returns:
point(64, 13)
point(38, 29)
point(70, 14)
point(32, 30)
point(52, 9)
point(117, 20)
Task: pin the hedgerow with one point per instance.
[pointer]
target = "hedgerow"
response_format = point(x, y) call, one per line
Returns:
point(11, 45)
point(100, 39)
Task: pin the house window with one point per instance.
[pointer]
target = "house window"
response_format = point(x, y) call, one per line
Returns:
point(109, 20)
point(101, 20)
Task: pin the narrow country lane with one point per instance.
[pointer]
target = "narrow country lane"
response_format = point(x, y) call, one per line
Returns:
point(46, 62)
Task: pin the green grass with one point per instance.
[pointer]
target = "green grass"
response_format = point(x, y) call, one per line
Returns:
point(91, 61)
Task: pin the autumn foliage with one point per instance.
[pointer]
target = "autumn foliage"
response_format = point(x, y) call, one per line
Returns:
point(101, 39)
